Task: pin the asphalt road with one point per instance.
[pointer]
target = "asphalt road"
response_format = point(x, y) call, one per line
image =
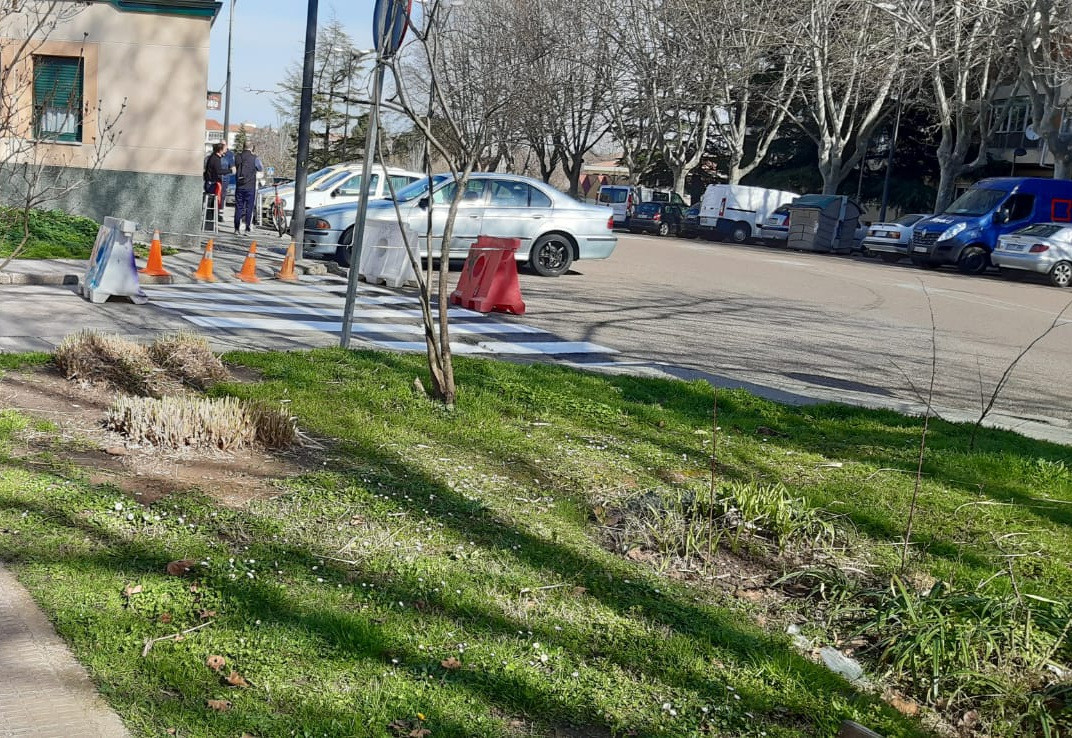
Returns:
point(805, 327)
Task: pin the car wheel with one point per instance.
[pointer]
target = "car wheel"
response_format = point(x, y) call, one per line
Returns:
point(1061, 274)
point(888, 257)
point(344, 249)
point(740, 233)
point(973, 260)
point(551, 255)
point(664, 229)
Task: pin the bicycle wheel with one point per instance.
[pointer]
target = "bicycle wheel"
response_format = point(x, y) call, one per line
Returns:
point(279, 220)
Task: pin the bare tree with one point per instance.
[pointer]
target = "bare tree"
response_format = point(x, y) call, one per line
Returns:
point(1044, 57)
point(34, 171)
point(854, 55)
point(959, 50)
point(461, 72)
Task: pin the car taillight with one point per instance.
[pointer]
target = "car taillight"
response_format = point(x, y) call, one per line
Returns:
point(610, 223)
point(1038, 248)
point(657, 216)
point(787, 221)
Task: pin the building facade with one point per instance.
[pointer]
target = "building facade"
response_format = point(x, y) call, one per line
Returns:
point(106, 101)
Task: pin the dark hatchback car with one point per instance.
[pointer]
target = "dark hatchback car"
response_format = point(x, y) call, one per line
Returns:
point(662, 218)
point(690, 224)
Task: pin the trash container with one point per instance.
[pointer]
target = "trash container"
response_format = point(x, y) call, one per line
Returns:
point(823, 223)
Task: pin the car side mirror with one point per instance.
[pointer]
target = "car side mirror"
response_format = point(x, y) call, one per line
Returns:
point(423, 203)
point(1001, 216)
point(335, 192)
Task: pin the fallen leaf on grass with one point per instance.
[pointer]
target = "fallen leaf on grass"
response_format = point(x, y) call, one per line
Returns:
point(420, 733)
point(165, 618)
point(903, 706)
point(578, 591)
point(132, 589)
point(206, 614)
point(235, 680)
point(219, 705)
point(215, 662)
point(451, 663)
point(172, 731)
point(181, 568)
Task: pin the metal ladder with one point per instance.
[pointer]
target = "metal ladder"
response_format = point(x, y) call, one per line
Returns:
point(210, 212)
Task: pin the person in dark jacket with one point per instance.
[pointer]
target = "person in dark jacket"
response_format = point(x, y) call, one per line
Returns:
point(247, 164)
point(213, 177)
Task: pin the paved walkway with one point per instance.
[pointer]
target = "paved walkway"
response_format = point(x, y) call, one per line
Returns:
point(44, 692)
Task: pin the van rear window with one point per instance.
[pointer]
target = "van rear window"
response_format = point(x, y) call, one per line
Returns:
point(613, 195)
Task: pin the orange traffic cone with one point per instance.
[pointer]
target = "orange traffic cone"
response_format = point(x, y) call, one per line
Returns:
point(249, 266)
point(154, 267)
point(287, 272)
point(204, 269)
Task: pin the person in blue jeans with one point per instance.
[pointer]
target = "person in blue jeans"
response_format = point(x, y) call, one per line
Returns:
point(247, 164)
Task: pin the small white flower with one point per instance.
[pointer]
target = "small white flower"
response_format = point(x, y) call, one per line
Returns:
point(319, 579)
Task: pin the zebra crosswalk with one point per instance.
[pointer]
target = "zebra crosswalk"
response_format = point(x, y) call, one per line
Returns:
point(383, 318)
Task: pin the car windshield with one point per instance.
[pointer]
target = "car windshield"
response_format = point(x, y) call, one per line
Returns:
point(976, 202)
point(419, 188)
point(1041, 230)
point(329, 182)
point(613, 195)
point(319, 174)
point(908, 220)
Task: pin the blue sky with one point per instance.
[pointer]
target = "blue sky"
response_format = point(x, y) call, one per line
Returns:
point(269, 36)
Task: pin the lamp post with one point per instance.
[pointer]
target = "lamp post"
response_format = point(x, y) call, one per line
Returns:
point(227, 85)
point(305, 115)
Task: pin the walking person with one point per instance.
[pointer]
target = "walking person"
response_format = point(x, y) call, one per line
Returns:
point(213, 176)
point(247, 164)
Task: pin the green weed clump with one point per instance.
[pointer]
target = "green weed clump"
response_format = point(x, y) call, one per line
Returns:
point(53, 234)
point(952, 646)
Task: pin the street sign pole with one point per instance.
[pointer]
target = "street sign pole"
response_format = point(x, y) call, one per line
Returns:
point(390, 19)
point(301, 167)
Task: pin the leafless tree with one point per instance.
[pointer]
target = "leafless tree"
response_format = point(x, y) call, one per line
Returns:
point(274, 146)
point(960, 53)
point(34, 171)
point(1044, 56)
point(460, 72)
point(853, 55)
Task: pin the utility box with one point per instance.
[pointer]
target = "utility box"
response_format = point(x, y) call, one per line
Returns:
point(823, 223)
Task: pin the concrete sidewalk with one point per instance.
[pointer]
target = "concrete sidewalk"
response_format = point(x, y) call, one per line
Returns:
point(44, 691)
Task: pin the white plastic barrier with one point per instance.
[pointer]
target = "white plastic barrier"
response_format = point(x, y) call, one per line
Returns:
point(111, 269)
point(383, 255)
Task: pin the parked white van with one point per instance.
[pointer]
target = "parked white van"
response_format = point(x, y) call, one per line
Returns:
point(737, 212)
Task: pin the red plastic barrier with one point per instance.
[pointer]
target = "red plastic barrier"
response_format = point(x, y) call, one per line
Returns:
point(489, 279)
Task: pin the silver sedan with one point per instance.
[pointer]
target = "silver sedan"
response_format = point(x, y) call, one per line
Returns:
point(1045, 248)
point(890, 240)
point(555, 230)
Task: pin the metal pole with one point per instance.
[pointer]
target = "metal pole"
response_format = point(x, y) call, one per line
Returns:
point(362, 208)
point(889, 161)
point(304, 124)
point(860, 180)
point(227, 86)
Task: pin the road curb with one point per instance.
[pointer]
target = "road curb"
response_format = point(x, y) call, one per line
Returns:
point(21, 279)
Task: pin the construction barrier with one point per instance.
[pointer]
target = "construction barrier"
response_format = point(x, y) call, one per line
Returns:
point(383, 254)
point(488, 281)
point(112, 270)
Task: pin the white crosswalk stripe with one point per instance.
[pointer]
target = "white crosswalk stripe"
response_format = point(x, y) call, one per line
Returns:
point(384, 319)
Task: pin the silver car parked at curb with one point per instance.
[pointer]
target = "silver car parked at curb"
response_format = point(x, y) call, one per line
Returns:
point(555, 230)
point(1045, 248)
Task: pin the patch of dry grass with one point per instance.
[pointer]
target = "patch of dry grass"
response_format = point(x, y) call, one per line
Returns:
point(118, 362)
point(189, 359)
point(222, 423)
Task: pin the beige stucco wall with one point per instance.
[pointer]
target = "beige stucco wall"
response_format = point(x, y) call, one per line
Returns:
point(149, 74)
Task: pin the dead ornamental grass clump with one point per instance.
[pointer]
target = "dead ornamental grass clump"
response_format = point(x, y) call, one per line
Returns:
point(188, 358)
point(125, 365)
point(222, 423)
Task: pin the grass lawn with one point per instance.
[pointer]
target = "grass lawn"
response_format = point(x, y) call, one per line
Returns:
point(445, 571)
point(53, 234)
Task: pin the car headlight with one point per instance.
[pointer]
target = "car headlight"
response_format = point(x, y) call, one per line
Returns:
point(952, 231)
point(317, 224)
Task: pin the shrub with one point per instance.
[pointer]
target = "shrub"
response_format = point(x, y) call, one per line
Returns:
point(118, 362)
point(223, 423)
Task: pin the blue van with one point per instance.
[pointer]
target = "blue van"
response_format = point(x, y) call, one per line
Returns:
point(967, 232)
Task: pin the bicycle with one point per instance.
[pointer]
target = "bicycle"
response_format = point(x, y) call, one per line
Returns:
point(279, 216)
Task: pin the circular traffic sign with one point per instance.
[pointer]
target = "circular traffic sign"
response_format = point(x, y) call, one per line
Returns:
point(390, 20)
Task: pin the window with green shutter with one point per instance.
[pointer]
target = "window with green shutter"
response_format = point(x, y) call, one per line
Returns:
point(57, 98)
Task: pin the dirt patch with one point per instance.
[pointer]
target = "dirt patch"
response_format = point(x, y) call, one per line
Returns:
point(78, 409)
